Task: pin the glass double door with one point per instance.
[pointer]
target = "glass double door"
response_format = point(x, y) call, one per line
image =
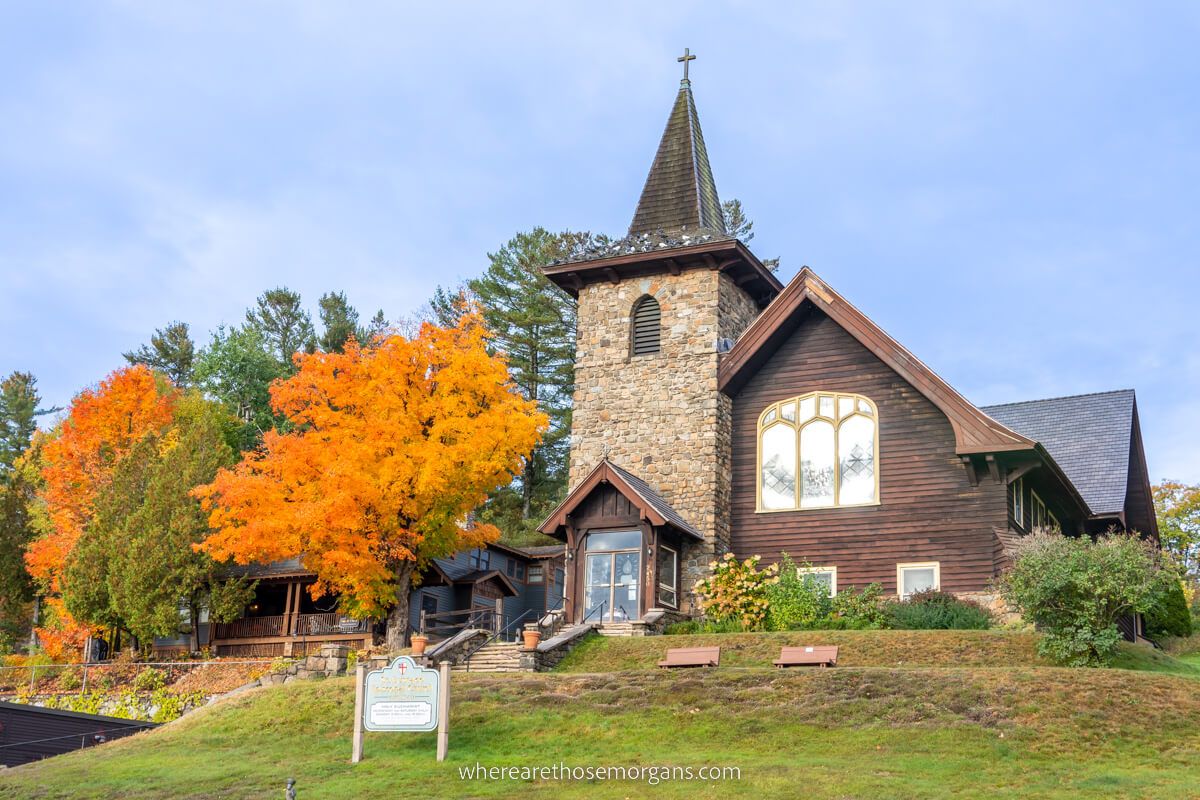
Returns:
point(611, 585)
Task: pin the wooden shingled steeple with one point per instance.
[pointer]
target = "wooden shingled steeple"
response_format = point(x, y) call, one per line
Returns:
point(680, 191)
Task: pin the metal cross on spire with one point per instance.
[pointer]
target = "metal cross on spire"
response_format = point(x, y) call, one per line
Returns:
point(685, 58)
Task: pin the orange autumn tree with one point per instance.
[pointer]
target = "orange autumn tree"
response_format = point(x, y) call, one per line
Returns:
point(77, 461)
point(391, 448)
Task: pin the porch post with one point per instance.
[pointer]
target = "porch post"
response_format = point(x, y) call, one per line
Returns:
point(569, 574)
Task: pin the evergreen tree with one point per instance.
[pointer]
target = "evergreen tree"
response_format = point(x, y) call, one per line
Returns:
point(339, 320)
point(171, 352)
point(280, 319)
point(741, 227)
point(135, 567)
point(532, 322)
point(19, 402)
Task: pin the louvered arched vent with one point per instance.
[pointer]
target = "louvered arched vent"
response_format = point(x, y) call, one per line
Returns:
point(647, 326)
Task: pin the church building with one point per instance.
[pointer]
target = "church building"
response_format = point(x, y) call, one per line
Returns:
point(718, 410)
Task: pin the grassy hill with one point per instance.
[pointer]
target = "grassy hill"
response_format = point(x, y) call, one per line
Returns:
point(948, 723)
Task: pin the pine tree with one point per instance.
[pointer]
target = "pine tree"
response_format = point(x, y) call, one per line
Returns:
point(284, 325)
point(741, 227)
point(19, 402)
point(171, 352)
point(532, 322)
point(339, 320)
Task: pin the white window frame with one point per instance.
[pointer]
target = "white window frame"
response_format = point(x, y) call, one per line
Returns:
point(1048, 518)
point(830, 571)
point(900, 568)
point(1018, 501)
point(529, 573)
point(673, 588)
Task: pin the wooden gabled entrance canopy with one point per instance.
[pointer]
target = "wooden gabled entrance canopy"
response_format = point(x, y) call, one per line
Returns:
point(651, 507)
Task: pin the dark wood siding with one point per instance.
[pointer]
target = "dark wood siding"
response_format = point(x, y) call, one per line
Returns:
point(928, 510)
point(29, 733)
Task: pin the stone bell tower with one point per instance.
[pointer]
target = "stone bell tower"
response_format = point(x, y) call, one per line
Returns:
point(656, 311)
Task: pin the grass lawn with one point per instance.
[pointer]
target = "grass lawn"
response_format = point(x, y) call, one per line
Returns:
point(988, 730)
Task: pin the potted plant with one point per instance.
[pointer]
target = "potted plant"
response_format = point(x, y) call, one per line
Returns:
point(419, 642)
point(532, 637)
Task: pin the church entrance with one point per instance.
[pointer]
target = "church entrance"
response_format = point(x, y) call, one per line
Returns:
point(611, 576)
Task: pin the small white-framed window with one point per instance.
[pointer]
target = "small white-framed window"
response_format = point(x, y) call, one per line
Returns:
point(825, 575)
point(1040, 516)
point(918, 576)
point(1018, 502)
point(668, 576)
point(536, 574)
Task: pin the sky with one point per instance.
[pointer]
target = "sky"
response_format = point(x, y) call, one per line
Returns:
point(1009, 189)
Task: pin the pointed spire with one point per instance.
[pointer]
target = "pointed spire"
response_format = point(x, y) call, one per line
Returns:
point(680, 190)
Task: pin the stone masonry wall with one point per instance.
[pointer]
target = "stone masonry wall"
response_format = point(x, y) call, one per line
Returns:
point(661, 416)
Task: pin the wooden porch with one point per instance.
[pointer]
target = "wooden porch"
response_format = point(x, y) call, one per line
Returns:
point(291, 633)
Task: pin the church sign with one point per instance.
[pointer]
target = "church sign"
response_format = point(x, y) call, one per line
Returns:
point(402, 696)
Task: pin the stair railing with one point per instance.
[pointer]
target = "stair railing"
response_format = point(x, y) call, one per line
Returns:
point(494, 637)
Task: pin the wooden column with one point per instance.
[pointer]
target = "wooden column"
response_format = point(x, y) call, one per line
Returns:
point(287, 612)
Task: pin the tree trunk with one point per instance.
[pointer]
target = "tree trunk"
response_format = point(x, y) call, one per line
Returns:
point(527, 478)
point(397, 619)
point(194, 636)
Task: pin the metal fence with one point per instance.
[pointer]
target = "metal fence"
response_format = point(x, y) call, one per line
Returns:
point(18, 677)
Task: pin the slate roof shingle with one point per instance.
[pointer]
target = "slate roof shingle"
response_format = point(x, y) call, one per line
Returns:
point(1088, 435)
point(680, 190)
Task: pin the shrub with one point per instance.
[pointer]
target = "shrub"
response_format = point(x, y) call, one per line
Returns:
point(736, 591)
point(796, 600)
point(932, 610)
point(1075, 589)
point(69, 680)
point(1170, 615)
point(859, 611)
point(692, 626)
point(149, 680)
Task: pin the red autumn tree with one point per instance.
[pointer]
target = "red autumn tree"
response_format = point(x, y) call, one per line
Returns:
point(390, 451)
point(76, 462)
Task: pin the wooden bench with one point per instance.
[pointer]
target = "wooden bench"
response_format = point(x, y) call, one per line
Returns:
point(692, 657)
point(807, 657)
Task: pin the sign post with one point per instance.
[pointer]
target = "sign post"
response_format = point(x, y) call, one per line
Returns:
point(360, 672)
point(444, 713)
point(402, 696)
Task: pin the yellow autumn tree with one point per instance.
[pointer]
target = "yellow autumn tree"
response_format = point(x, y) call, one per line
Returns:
point(390, 450)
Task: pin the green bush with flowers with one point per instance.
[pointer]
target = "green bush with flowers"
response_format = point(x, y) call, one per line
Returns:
point(736, 592)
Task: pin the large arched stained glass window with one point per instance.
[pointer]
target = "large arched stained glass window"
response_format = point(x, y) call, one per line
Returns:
point(818, 451)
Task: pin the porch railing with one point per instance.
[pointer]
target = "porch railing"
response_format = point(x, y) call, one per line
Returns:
point(448, 623)
point(305, 625)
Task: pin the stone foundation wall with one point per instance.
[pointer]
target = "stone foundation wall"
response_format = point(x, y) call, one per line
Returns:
point(994, 603)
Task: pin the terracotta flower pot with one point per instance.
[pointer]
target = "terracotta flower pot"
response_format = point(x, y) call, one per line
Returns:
point(531, 639)
point(418, 644)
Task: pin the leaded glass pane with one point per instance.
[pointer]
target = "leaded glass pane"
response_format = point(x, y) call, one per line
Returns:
point(856, 461)
point(826, 406)
point(864, 407)
point(845, 406)
point(808, 407)
point(770, 417)
point(816, 464)
point(788, 411)
point(779, 467)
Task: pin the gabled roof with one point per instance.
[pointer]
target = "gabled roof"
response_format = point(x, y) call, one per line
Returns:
point(488, 575)
point(680, 191)
point(1088, 435)
point(974, 431)
point(652, 506)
